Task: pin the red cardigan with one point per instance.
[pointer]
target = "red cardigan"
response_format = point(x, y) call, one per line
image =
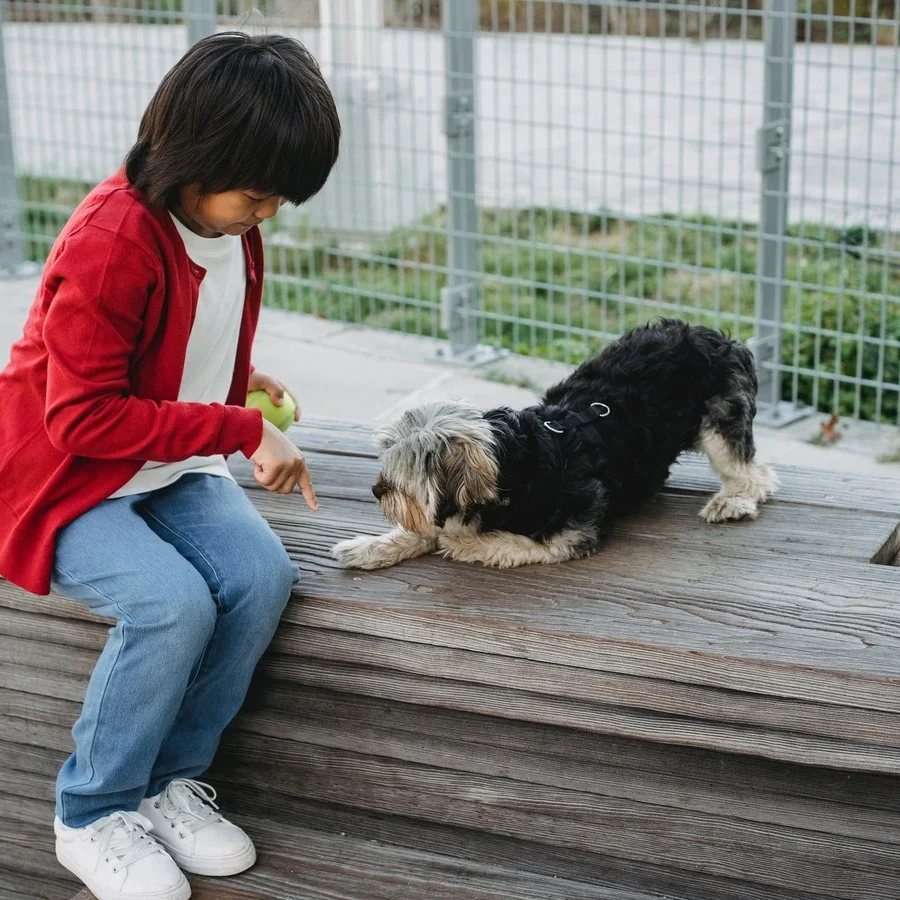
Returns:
point(91, 389)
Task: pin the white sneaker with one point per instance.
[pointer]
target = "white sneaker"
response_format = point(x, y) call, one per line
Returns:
point(118, 860)
point(200, 839)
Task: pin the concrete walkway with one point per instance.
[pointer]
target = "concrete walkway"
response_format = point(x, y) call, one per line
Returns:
point(343, 371)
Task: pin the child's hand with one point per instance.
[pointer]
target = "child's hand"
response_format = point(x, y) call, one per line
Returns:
point(279, 466)
point(275, 389)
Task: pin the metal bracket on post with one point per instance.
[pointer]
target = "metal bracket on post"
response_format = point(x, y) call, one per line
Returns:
point(773, 162)
point(771, 146)
point(459, 117)
point(456, 302)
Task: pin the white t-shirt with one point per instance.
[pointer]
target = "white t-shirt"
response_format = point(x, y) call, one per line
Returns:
point(212, 346)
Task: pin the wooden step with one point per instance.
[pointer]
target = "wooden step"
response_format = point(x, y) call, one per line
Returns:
point(303, 864)
point(702, 712)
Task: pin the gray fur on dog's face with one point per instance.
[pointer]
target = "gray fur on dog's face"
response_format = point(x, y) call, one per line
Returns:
point(437, 453)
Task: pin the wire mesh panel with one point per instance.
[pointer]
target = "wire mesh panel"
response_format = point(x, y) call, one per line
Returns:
point(79, 77)
point(542, 175)
point(841, 318)
point(372, 246)
point(619, 182)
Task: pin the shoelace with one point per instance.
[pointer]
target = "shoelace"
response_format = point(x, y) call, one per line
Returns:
point(123, 835)
point(189, 804)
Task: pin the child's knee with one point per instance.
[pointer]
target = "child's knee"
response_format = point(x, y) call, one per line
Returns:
point(179, 617)
point(262, 579)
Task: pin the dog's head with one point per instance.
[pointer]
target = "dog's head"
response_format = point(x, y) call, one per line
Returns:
point(437, 460)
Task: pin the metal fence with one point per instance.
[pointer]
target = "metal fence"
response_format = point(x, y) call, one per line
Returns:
point(537, 176)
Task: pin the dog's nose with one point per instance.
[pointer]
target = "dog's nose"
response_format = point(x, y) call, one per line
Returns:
point(377, 491)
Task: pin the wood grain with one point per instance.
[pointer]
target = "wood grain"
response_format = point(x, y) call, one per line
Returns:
point(698, 712)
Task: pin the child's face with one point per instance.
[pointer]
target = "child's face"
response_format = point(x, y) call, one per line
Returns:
point(232, 212)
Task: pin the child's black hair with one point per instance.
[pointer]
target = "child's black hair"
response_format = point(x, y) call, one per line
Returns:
point(238, 112)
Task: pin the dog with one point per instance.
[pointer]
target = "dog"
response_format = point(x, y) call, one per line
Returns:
point(546, 484)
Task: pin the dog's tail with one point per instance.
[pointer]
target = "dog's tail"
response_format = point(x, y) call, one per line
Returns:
point(889, 552)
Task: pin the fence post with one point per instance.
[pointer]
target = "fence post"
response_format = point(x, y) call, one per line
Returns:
point(460, 298)
point(200, 18)
point(12, 255)
point(773, 142)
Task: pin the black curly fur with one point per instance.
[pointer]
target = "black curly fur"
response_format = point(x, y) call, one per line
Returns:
point(663, 384)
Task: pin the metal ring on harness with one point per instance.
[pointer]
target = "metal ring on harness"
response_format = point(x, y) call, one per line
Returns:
point(552, 426)
point(602, 415)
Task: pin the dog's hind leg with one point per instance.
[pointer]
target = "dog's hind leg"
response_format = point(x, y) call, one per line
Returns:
point(727, 439)
point(505, 550)
point(382, 550)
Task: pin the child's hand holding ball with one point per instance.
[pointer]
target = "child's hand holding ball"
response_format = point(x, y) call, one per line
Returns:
point(278, 464)
point(274, 399)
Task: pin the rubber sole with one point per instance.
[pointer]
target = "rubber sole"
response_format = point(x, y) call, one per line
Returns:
point(181, 891)
point(215, 868)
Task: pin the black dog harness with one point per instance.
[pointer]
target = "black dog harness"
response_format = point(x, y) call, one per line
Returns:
point(596, 411)
point(561, 429)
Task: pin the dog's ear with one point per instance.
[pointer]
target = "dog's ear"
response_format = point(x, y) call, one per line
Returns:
point(470, 472)
point(385, 437)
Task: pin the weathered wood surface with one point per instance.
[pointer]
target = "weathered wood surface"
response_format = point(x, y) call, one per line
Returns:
point(708, 712)
point(303, 864)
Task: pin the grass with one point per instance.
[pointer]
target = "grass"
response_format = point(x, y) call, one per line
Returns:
point(560, 285)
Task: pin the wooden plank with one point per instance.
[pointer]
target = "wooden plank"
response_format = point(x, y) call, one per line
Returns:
point(718, 846)
point(353, 869)
point(672, 520)
point(347, 722)
point(747, 623)
point(740, 625)
point(336, 436)
point(612, 689)
point(816, 488)
point(594, 717)
point(555, 680)
point(819, 799)
point(40, 761)
point(16, 885)
point(300, 864)
point(27, 849)
point(687, 722)
point(810, 487)
point(590, 867)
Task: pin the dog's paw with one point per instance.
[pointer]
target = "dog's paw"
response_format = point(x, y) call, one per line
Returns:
point(729, 508)
point(363, 552)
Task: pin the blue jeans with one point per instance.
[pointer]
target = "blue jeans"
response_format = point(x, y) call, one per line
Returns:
point(197, 582)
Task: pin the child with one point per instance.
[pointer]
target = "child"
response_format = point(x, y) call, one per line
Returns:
point(120, 403)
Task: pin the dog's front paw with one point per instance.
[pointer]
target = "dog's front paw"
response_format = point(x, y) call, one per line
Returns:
point(363, 552)
point(729, 508)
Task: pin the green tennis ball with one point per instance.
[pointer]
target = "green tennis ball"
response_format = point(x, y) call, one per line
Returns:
point(282, 417)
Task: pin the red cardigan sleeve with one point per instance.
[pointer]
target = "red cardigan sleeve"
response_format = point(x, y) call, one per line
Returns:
point(91, 331)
